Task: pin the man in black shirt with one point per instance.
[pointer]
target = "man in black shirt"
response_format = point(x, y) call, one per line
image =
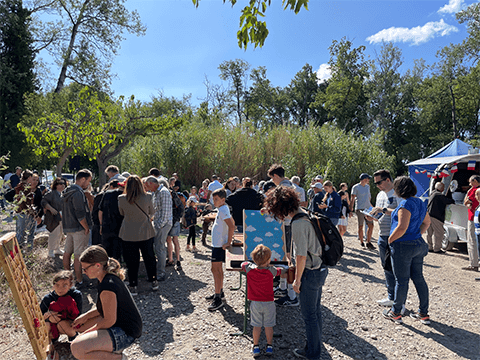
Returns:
point(437, 202)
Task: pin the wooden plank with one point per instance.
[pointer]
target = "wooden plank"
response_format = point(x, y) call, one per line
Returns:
point(15, 270)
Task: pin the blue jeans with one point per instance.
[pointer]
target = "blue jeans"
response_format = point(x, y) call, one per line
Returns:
point(389, 277)
point(310, 297)
point(407, 263)
point(25, 229)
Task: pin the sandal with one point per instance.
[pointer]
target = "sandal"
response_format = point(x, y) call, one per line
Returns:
point(470, 268)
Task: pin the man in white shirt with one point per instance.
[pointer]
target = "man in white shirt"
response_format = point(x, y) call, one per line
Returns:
point(214, 185)
point(301, 193)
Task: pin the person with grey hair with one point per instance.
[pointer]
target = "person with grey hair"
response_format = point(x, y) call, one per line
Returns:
point(437, 202)
point(301, 193)
point(113, 173)
point(162, 220)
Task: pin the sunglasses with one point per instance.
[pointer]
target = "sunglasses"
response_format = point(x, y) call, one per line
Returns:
point(88, 267)
point(380, 181)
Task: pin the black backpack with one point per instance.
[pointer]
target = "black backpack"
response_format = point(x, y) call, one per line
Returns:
point(327, 234)
point(10, 195)
point(177, 206)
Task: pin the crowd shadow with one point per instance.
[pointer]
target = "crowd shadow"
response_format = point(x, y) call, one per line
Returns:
point(359, 259)
point(464, 343)
point(335, 334)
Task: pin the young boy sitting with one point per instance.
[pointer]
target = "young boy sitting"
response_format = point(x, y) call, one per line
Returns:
point(260, 292)
point(222, 236)
point(61, 306)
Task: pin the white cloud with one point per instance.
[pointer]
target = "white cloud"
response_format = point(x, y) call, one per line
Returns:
point(416, 35)
point(269, 234)
point(269, 219)
point(452, 7)
point(250, 228)
point(257, 239)
point(323, 73)
point(275, 245)
point(276, 256)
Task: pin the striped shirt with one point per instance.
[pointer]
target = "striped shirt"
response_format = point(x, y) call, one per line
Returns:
point(476, 222)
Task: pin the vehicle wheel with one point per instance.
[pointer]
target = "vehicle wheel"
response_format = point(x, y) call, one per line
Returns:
point(447, 245)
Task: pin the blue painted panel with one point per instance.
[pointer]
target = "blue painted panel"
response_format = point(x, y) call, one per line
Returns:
point(263, 229)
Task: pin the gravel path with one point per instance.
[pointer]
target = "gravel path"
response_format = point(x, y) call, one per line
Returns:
point(177, 324)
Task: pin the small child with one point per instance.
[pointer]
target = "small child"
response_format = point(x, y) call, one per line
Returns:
point(343, 221)
point(193, 194)
point(61, 306)
point(191, 222)
point(222, 236)
point(260, 293)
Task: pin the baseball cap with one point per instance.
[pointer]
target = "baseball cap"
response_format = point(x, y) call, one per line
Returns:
point(319, 177)
point(317, 185)
point(364, 176)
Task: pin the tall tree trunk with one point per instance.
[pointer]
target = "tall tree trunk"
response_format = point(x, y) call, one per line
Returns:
point(67, 58)
point(62, 160)
point(454, 113)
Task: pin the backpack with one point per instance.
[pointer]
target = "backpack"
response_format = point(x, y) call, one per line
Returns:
point(177, 207)
point(327, 234)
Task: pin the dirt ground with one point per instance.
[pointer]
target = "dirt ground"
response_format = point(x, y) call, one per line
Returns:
point(177, 324)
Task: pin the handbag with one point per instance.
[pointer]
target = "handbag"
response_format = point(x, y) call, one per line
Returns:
point(291, 274)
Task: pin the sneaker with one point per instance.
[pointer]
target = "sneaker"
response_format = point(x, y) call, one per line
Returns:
point(385, 302)
point(424, 319)
point(370, 246)
point(179, 266)
point(286, 301)
point(402, 312)
point(161, 277)
point(154, 285)
point(269, 350)
point(211, 297)
point(362, 244)
point(256, 351)
point(280, 293)
point(187, 248)
point(216, 304)
point(133, 290)
point(389, 314)
point(300, 353)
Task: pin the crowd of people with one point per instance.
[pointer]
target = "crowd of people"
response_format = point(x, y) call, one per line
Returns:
point(134, 215)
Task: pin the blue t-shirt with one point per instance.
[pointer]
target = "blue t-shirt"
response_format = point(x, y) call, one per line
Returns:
point(418, 210)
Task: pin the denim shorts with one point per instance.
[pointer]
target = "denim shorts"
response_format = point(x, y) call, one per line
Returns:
point(120, 340)
point(175, 230)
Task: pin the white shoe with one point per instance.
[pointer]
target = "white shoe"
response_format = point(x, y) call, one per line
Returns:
point(385, 302)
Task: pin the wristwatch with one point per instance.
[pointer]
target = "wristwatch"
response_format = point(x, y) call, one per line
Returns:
point(384, 210)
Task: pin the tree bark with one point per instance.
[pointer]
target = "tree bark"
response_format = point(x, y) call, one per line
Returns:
point(62, 160)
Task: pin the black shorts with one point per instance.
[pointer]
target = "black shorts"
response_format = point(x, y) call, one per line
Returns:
point(218, 255)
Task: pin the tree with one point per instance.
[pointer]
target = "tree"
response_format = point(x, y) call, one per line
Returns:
point(471, 16)
point(85, 37)
point(392, 106)
point(74, 122)
point(16, 75)
point(344, 99)
point(301, 93)
point(235, 72)
point(251, 29)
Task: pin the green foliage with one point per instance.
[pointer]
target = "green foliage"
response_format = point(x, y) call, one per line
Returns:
point(245, 151)
point(16, 77)
point(252, 30)
point(84, 36)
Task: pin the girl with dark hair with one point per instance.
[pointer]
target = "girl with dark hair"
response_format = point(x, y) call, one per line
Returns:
point(52, 203)
point(409, 221)
point(115, 323)
point(310, 272)
point(137, 232)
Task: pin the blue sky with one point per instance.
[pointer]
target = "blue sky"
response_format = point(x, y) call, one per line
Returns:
point(183, 44)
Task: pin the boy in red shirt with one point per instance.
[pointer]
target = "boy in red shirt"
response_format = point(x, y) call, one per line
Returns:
point(260, 293)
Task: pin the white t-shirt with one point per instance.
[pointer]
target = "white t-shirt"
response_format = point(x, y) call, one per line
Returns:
point(214, 185)
point(300, 192)
point(220, 228)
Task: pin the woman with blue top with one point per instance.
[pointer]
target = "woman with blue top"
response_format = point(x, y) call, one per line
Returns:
point(409, 221)
point(332, 205)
